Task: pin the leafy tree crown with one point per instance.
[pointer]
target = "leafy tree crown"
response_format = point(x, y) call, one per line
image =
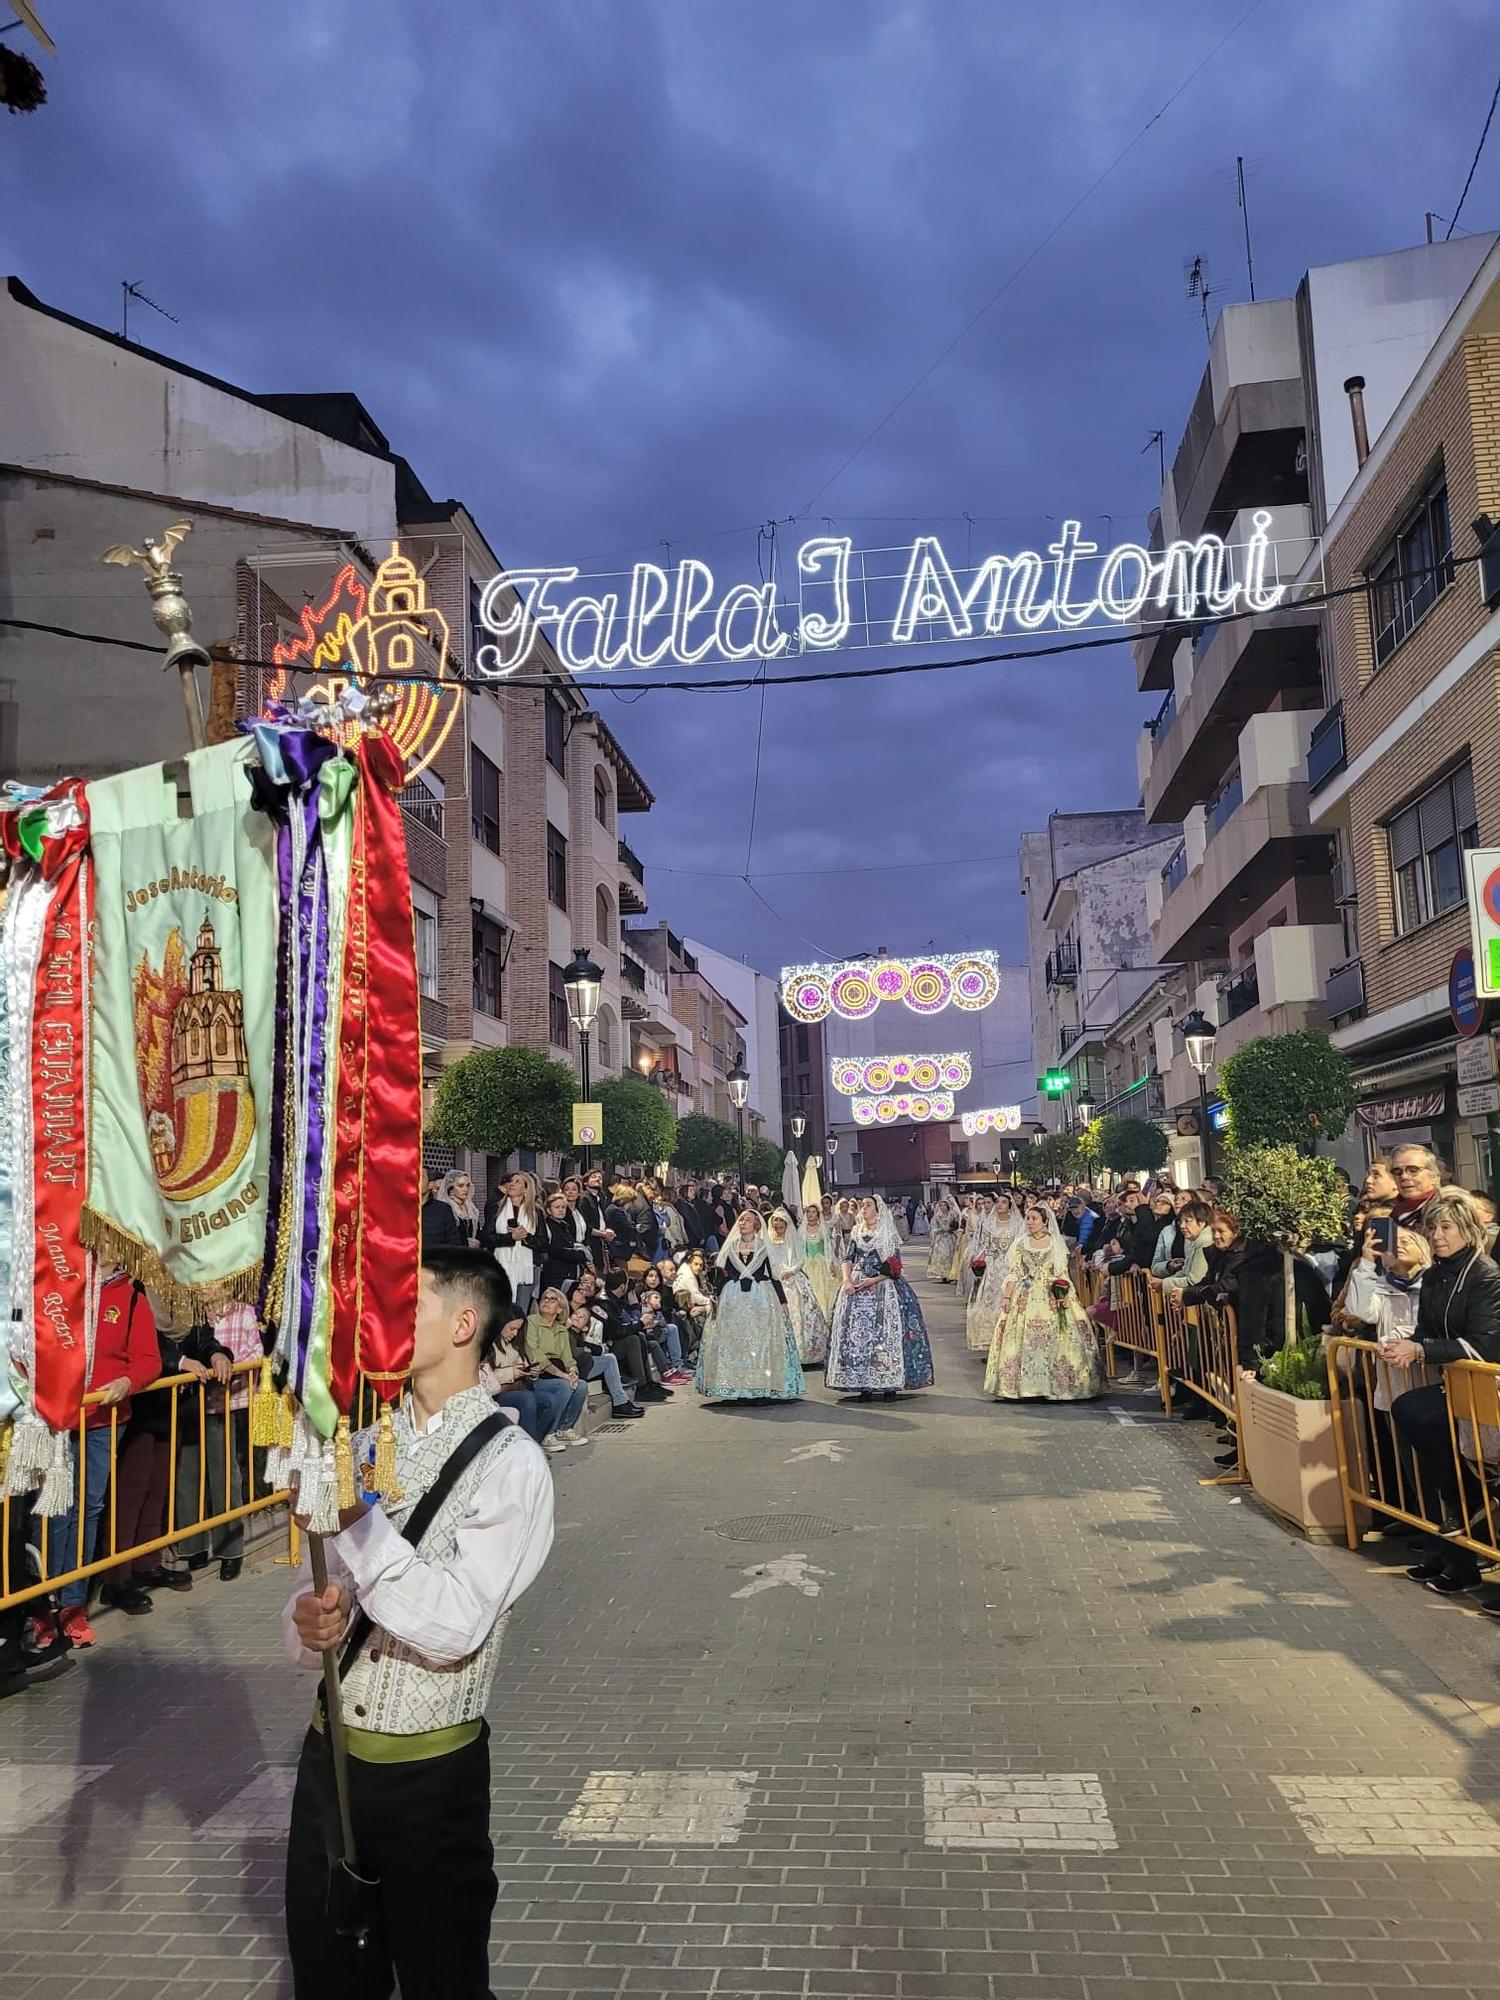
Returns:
point(501, 1100)
point(1132, 1145)
point(639, 1127)
point(1287, 1090)
point(1281, 1195)
point(705, 1145)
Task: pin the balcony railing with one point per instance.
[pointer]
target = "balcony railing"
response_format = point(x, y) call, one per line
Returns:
point(1062, 967)
point(1224, 806)
point(1175, 873)
point(420, 805)
point(1240, 995)
point(1325, 753)
point(631, 860)
point(632, 972)
point(1165, 716)
point(1345, 991)
point(1145, 1098)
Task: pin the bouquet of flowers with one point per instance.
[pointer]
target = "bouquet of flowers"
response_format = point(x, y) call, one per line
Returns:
point(890, 1267)
point(1058, 1292)
point(977, 1266)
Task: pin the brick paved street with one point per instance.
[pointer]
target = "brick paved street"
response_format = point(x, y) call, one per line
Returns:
point(936, 1701)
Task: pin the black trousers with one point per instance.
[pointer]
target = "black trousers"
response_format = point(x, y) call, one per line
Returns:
point(1421, 1420)
point(424, 1829)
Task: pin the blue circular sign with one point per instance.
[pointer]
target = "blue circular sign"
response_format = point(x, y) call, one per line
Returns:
point(1464, 1003)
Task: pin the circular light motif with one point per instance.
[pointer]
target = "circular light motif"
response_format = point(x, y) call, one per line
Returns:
point(921, 1107)
point(807, 997)
point(852, 993)
point(886, 1111)
point(942, 1105)
point(975, 984)
point(864, 1111)
point(924, 1073)
point(929, 988)
point(877, 1076)
point(901, 1069)
point(890, 979)
point(956, 1072)
point(848, 1077)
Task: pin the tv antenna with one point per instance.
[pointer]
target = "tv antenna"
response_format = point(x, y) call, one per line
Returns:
point(1239, 178)
point(131, 289)
point(1195, 278)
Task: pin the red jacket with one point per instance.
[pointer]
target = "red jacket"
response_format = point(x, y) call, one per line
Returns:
point(124, 1345)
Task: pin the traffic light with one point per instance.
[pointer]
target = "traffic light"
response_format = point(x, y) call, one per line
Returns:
point(1056, 1083)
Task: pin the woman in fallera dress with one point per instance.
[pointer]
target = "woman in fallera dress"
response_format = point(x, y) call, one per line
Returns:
point(879, 1343)
point(821, 1267)
point(788, 1261)
point(942, 1255)
point(845, 1215)
point(749, 1352)
point(973, 1249)
point(984, 1308)
point(1045, 1347)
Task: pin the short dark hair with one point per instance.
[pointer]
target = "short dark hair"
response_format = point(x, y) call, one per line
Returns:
point(1196, 1211)
point(474, 1278)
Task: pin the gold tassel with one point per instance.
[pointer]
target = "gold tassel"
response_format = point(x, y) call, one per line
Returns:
point(7, 1432)
point(264, 1411)
point(343, 1466)
point(383, 1479)
point(286, 1421)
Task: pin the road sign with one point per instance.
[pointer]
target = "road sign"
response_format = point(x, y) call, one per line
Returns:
point(1476, 1060)
point(588, 1124)
point(1478, 1100)
point(1482, 867)
point(1465, 1007)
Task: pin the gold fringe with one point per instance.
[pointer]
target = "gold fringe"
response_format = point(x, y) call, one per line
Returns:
point(264, 1411)
point(180, 1304)
point(7, 1432)
point(286, 1421)
point(383, 1477)
point(343, 1466)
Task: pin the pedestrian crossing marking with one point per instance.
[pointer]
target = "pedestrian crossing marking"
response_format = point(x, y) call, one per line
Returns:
point(29, 1792)
point(262, 1807)
point(659, 1809)
point(1057, 1812)
point(1427, 1817)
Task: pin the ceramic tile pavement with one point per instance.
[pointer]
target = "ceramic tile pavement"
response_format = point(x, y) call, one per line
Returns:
point(1006, 1593)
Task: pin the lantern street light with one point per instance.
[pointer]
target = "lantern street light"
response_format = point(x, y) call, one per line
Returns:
point(738, 1080)
point(1084, 1105)
point(1199, 1036)
point(799, 1124)
point(581, 983)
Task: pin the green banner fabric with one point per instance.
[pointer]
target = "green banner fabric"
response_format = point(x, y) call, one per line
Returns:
point(184, 998)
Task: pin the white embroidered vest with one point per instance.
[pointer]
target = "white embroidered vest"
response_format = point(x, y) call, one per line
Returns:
point(391, 1687)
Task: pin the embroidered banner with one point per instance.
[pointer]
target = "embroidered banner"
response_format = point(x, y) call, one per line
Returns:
point(184, 997)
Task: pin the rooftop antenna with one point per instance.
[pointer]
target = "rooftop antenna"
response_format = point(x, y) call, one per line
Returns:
point(1239, 174)
point(1156, 438)
point(131, 289)
point(1195, 275)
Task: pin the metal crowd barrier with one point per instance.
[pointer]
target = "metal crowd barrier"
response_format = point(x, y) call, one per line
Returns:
point(1379, 1472)
point(1134, 1330)
point(225, 1463)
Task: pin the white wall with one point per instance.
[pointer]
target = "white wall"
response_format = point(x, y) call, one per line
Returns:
point(1379, 317)
point(71, 401)
point(1253, 343)
point(756, 998)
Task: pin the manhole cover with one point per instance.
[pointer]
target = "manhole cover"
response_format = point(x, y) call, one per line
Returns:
point(784, 1528)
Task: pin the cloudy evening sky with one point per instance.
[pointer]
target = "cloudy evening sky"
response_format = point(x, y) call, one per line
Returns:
point(625, 272)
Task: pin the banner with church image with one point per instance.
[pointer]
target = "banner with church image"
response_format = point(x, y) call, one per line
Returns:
point(183, 1026)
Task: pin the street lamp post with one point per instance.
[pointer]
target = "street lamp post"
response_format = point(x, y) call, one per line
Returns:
point(738, 1080)
point(1199, 1036)
point(581, 983)
point(833, 1147)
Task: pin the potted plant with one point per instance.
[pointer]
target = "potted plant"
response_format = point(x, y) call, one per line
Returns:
point(1281, 1196)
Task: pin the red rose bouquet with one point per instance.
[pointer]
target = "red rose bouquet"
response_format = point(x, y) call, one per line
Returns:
point(977, 1265)
point(1058, 1292)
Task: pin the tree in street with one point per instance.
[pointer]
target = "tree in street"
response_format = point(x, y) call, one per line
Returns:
point(502, 1100)
point(1287, 1090)
point(639, 1128)
point(705, 1145)
point(1131, 1145)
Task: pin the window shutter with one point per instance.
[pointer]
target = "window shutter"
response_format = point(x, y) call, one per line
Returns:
point(1436, 811)
point(1406, 838)
point(1463, 797)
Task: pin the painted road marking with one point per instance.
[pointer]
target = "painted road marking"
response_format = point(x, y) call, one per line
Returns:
point(29, 1792)
point(795, 1570)
point(1429, 1817)
point(659, 1809)
point(1058, 1812)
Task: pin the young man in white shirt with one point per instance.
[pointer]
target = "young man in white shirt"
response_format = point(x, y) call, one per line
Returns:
point(415, 1690)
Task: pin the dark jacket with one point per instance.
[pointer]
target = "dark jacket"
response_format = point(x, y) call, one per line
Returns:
point(490, 1234)
point(647, 1228)
point(1089, 1226)
point(1218, 1278)
point(560, 1257)
point(1460, 1301)
point(1137, 1241)
point(626, 1243)
point(441, 1228)
point(1257, 1292)
point(693, 1221)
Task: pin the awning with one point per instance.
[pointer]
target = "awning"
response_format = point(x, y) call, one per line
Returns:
point(1437, 1059)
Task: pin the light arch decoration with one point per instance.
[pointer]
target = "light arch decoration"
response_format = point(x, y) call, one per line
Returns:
point(927, 984)
point(997, 1118)
point(876, 1076)
point(921, 1106)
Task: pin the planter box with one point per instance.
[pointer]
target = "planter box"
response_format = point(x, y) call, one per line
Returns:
point(1292, 1459)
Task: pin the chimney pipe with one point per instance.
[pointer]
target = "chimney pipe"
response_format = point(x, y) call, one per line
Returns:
point(1354, 389)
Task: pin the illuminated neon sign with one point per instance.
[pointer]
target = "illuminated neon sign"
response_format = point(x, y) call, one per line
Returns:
point(968, 979)
point(840, 597)
point(855, 1076)
point(886, 1110)
point(387, 633)
point(1001, 1118)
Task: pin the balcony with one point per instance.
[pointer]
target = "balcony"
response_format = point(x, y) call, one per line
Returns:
point(1247, 419)
point(632, 882)
point(1241, 994)
point(1145, 1098)
point(1062, 967)
point(1256, 851)
point(1175, 873)
point(632, 972)
point(1344, 995)
point(423, 808)
point(1245, 665)
point(1325, 754)
point(1224, 806)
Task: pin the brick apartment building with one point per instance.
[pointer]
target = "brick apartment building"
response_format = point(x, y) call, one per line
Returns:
point(708, 1031)
point(1405, 768)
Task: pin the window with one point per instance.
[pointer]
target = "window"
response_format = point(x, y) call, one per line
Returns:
point(705, 1018)
point(424, 909)
point(557, 1008)
point(1427, 843)
point(604, 1035)
point(604, 917)
point(484, 800)
point(489, 957)
point(1411, 572)
point(601, 798)
point(555, 722)
point(557, 868)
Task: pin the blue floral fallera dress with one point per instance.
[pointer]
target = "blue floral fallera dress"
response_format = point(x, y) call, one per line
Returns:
point(749, 1352)
point(879, 1338)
